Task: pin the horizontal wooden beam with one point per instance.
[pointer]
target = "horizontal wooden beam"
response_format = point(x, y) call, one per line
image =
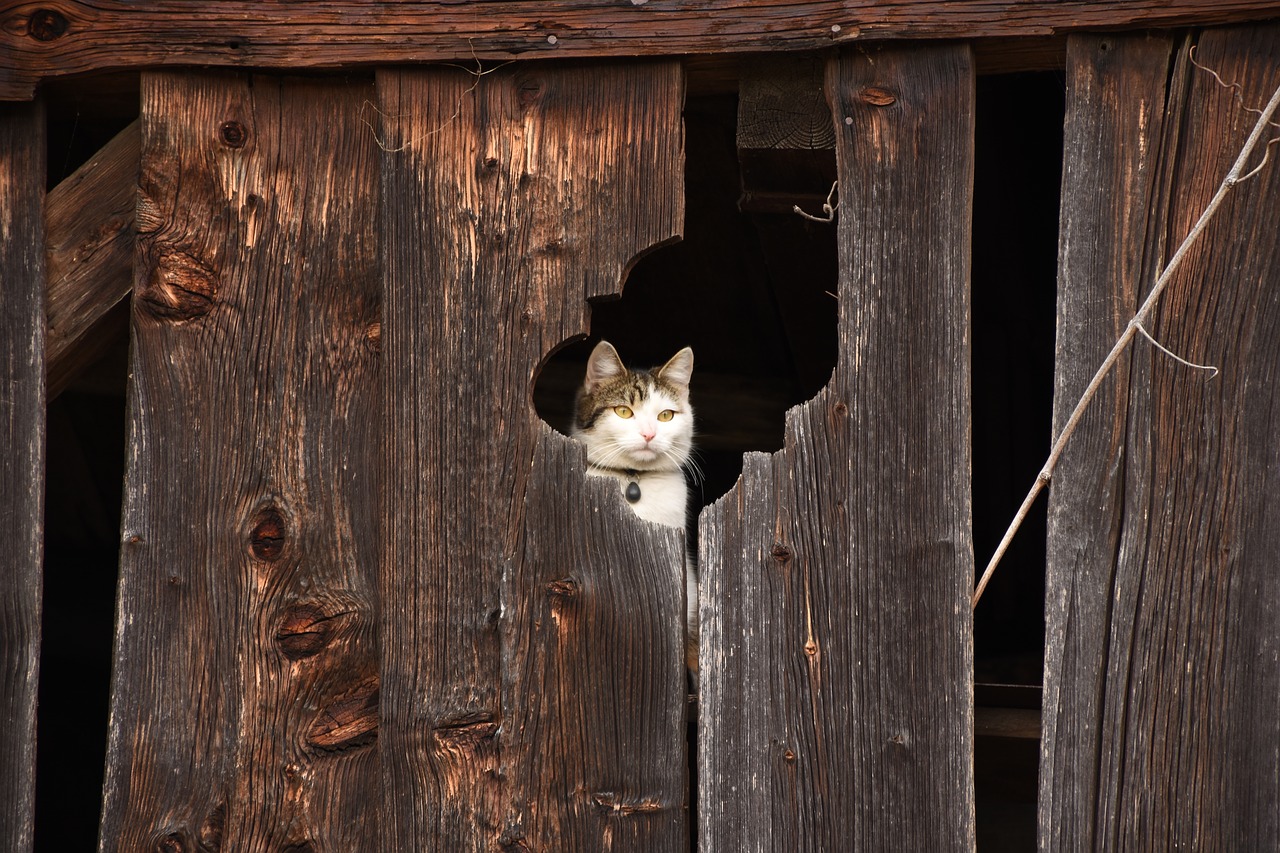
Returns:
point(89, 255)
point(41, 40)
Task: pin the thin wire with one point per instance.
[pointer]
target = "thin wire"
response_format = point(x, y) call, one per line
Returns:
point(1172, 354)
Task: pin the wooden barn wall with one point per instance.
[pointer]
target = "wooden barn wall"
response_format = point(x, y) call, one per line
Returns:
point(368, 600)
point(22, 422)
point(244, 700)
point(1163, 606)
point(533, 691)
point(837, 632)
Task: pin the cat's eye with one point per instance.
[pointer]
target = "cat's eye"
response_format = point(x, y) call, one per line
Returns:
point(666, 415)
point(623, 411)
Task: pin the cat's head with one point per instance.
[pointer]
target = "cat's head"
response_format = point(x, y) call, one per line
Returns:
point(635, 419)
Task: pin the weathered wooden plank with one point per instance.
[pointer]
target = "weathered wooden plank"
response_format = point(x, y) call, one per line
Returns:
point(1160, 726)
point(22, 417)
point(837, 638)
point(533, 685)
point(244, 697)
point(40, 40)
point(89, 249)
point(1116, 96)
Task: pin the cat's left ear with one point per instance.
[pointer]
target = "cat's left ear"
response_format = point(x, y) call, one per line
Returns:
point(678, 370)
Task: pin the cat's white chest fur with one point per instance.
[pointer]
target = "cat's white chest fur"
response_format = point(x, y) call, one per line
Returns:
point(663, 495)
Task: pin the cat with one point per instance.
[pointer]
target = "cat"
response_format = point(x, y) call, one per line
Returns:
point(638, 428)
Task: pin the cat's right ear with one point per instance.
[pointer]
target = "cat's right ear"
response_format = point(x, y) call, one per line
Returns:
point(679, 368)
point(603, 365)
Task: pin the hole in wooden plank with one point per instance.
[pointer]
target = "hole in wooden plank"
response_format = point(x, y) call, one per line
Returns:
point(748, 289)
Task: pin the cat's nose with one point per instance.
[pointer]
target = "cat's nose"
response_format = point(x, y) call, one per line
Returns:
point(648, 432)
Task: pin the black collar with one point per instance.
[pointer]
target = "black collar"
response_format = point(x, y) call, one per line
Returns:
point(633, 487)
point(630, 473)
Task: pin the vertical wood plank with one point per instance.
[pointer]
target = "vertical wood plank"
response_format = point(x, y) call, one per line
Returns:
point(837, 638)
point(1162, 727)
point(22, 419)
point(533, 690)
point(244, 697)
point(1116, 99)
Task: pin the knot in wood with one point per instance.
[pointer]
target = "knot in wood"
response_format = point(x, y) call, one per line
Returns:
point(349, 721)
point(210, 835)
point(47, 25)
point(529, 92)
point(840, 409)
point(877, 96)
point(513, 839)
point(464, 736)
point(373, 337)
point(267, 538)
point(563, 588)
point(172, 843)
point(781, 553)
point(305, 629)
point(233, 134)
point(181, 287)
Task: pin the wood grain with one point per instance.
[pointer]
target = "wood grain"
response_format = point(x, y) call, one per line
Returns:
point(22, 422)
point(533, 692)
point(781, 104)
point(1116, 99)
point(89, 248)
point(837, 639)
point(62, 37)
point(245, 687)
point(1161, 730)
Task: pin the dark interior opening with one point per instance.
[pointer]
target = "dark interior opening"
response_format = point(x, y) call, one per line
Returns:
point(85, 453)
point(1017, 175)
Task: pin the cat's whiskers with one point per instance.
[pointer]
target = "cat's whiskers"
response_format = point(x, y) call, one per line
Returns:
point(690, 464)
point(610, 457)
